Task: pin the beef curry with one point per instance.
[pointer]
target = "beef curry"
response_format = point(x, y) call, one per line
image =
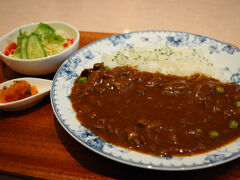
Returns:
point(162, 115)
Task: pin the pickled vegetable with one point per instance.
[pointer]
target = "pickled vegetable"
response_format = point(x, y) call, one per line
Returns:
point(17, 91)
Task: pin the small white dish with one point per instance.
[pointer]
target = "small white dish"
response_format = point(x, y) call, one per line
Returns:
point(43, 87)
point(44, 65)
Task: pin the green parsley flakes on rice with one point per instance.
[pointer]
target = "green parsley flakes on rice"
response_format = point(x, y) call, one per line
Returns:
point(165, 60)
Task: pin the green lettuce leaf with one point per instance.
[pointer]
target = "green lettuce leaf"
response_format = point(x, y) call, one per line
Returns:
point(44, 31)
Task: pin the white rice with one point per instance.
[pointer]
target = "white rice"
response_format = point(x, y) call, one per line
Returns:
point(166, 60)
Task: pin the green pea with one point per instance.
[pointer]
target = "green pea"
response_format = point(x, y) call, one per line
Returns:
point(83, 79)
point(220, 90)
point(198, 130)
point(233, 124)
point(237, 103)
point(213, 134)
point(107, 68)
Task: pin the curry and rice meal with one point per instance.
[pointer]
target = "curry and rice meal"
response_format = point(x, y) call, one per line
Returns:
point(161, 102)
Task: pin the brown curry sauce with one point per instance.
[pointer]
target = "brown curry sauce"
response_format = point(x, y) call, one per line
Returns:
point(163, 115)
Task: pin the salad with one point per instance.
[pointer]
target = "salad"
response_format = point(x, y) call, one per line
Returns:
point(43, 41)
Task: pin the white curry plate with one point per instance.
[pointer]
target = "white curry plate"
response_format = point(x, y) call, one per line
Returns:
point(222, 55)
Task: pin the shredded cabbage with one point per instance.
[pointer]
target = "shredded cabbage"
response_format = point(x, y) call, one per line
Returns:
point(54, 47)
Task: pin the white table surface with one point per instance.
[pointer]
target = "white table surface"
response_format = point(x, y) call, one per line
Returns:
point(219, 19)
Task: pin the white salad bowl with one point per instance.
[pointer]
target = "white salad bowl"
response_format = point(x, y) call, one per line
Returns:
point(40, 66)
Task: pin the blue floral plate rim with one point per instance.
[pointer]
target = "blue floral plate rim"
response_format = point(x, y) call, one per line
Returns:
point(81, 134)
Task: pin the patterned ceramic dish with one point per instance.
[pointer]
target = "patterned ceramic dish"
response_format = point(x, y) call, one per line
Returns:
point(222, 55)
